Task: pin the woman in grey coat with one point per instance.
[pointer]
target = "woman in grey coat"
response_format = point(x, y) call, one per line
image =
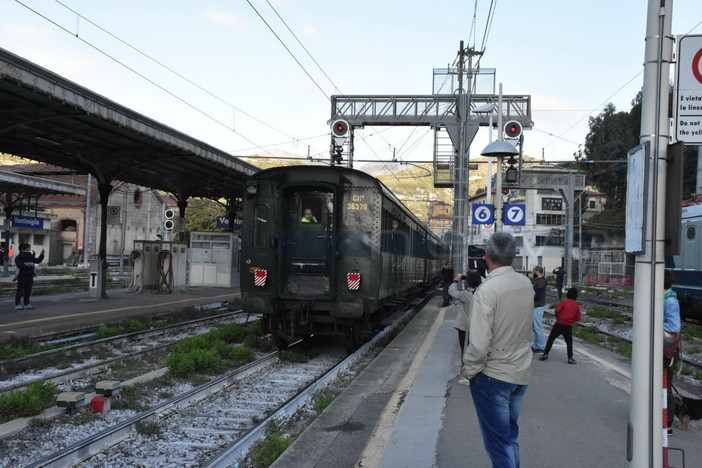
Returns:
point(465, 297)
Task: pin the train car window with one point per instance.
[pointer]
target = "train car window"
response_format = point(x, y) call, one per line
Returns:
point(691, 233)
point(259, 225)
point(313, 208)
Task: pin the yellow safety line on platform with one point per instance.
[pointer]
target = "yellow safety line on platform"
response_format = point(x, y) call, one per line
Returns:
point(47, 319)
point(373, 453)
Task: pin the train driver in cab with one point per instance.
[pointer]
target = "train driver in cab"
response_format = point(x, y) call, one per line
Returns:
point(308, 216)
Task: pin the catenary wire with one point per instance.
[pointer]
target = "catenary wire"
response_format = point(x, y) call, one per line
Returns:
point(305, 48)
point(144, 77)
point(161, 64)
point(289, 51)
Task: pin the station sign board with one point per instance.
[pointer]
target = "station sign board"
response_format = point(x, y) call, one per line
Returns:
point(223, 223)
point(688, 90)
point(27, 222)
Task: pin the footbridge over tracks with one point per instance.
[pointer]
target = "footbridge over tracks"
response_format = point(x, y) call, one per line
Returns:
point(47, 118)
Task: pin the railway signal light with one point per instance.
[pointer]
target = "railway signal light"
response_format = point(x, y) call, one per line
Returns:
point(511, 175)
point(336, 151)
point(340, 131)
point(506, 194)
point(340, 128)
point(513, 130)
point(168, 219)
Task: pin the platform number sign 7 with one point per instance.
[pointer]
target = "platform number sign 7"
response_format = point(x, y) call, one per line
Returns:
point(515, 215)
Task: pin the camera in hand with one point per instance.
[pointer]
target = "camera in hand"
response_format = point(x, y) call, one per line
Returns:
point(463, 277)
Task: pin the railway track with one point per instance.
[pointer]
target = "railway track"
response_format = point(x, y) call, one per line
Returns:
point(214, 424)
point(17, 373)
point(622, 331)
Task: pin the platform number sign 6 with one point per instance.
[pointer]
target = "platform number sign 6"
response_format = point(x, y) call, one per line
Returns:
point(483, 213)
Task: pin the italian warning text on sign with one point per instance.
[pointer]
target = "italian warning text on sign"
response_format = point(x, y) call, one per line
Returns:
point(688, 115)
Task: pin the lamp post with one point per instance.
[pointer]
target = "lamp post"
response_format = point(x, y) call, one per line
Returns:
point(487, 109)
point(499, 149)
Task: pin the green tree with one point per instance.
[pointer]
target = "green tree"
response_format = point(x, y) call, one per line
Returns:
point(612, 134)
point(201, 214)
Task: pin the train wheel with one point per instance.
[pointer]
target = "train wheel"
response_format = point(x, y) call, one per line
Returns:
point(280, 342)
point(353, 338)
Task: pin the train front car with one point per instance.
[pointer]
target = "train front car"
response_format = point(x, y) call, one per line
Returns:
point(317, 256)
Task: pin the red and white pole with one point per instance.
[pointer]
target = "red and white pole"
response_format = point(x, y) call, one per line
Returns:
point(665, 418)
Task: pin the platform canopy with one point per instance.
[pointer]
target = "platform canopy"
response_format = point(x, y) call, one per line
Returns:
point(11, 182)
point(47, 118)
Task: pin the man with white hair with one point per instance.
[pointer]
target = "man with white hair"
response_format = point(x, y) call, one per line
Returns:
point(498, 357)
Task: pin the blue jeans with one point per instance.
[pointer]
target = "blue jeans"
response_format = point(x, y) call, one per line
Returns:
point(498, 404)
point(538, 327)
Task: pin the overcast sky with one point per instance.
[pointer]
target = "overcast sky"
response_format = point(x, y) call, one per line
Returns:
point(571, 57)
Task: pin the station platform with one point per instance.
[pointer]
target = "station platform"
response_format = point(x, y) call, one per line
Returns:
point(70, 312)
point(406, 409)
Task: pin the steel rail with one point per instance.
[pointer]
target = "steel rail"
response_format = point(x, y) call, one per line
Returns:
point(95, 368)
point(237, 451)
point(90, 446)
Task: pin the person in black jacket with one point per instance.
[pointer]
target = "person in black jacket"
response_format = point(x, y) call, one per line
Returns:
point(560, 275)
point(26, 266)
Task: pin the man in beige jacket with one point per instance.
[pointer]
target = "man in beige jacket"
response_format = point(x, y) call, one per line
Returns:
point(498, 357)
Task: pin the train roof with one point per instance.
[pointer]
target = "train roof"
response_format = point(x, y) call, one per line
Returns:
point(335, 169)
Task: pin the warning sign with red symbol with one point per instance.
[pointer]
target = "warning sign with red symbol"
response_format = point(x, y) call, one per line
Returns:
point(260, 276)
point(354, 281)
point(688, 87)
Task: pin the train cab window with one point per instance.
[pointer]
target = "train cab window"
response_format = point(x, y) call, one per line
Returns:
point(313, 208)
point(691, 233)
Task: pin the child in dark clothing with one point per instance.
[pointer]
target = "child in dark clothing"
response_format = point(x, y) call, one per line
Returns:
point(567, 313)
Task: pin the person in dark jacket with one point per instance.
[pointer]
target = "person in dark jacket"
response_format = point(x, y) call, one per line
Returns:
point(560, 275)
point(26, 266)
point(567, 313)
point(447, 281)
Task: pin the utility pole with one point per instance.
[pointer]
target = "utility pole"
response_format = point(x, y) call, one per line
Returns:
point(499, 204)
point(645, 433)
point(460, 185)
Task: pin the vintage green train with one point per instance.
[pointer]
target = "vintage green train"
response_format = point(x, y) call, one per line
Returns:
point(329, 250)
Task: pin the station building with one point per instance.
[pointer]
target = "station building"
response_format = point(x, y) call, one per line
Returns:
point(56, 223)
point(542, 239)
point(440, 217)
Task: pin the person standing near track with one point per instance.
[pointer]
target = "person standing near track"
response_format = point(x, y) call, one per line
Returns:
point(560, 275)
point(498, 357)
point(446, 281)
point(465, 297)
point(539, 307)
point(26, 267)
point(567, 313)
point(671, 338)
